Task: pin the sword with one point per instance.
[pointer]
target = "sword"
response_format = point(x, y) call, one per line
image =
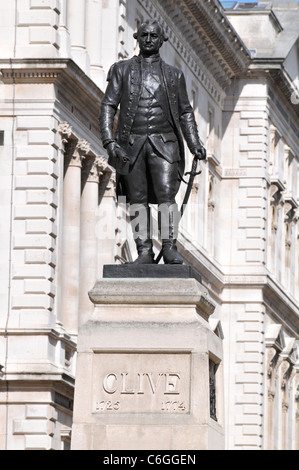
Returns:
point(192, 174)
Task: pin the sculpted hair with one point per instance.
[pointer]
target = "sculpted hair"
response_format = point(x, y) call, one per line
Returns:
point(151, 23)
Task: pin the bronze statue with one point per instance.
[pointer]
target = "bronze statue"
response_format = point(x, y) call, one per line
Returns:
point(147, 149)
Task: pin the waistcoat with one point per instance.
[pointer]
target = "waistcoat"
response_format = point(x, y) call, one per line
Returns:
point(150, 117)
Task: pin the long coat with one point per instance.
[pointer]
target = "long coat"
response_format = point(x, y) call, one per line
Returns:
point(124, 90)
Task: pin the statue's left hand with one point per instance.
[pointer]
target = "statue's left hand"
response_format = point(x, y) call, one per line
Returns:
point(200, 153)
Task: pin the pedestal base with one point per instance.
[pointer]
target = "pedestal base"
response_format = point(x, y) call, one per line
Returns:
point(146, 368)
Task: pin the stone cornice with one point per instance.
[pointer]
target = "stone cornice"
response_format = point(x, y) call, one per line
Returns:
point(273, 72)
point(78, 97)
point(281, 305)
point(202, 29)
point(286, 86)
point(47, 71)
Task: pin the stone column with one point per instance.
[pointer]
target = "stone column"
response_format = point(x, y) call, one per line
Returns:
point(88, 249)
point(106, 218)
point(71, 235)
point(76, 27)
point(65, 46)
point(93, 39)
point(287, 374)
point(274, 346)
point(110, 34)
point(65, 132)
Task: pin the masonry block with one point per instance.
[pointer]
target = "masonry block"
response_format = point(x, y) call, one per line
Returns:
point(42, 168)
point(41, 35)
point(39, 257)
point(33, 152)
point(32, 271)
point(251, 244)
point(45, 4)
point(45, 17)
point(33, 241)
point(43, 442)
point(35, 122)
point(31, 211)
point(30, 427)
point(39, 286)
point(39, 196)
point(248, 419)
point(41, 227)
point(35, 182)
point(32, 301)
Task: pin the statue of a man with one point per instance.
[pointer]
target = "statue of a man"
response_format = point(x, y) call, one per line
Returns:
point(154, 109)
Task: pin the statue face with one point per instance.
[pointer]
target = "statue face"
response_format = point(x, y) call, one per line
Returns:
point(150, 39)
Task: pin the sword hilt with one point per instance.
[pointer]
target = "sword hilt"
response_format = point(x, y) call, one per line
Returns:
point(193, 173)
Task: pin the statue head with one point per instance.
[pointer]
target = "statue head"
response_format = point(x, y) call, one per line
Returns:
point(150, 37)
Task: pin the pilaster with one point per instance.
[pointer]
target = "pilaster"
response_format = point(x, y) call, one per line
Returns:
point(75, 153)
point(76, 17)
point(94, 40)
point(91, 176)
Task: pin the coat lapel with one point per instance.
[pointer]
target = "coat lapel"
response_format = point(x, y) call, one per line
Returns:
point(170, 90)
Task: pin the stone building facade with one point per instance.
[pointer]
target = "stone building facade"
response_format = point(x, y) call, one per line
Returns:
point(60, 221)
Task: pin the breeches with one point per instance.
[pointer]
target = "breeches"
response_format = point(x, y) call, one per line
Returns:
point(152, 173)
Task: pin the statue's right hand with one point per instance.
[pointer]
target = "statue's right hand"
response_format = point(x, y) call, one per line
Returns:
point(111, 149)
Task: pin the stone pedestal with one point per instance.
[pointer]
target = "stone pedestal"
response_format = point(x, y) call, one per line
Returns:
point(149, 372)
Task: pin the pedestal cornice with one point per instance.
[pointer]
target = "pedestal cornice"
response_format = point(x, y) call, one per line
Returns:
point(158, 291)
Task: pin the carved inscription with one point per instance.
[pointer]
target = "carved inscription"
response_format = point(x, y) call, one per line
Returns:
point(169, 380)
point(143, 385)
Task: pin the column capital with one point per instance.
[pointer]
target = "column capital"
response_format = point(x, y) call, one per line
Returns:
point(83, 146)
point(102, 163)
point(65, 131)
point(91, 171)
point(77, 152)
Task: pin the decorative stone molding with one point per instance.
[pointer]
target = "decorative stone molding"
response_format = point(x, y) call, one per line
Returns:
point(29, 76)
point(90, 171)
point(288, 212)
point(216, 327)
point(275, 136)
point(285, 374)
point(288, 371)
point(166, 13)
point(95, 169)
point(296, 386)
point(77, 151)
point(275, 343)
point(65, 435)
point(107, 172)
point(223, 56)
point(65, 130)
point(83, 146)
point(273, 193)
point(102, 163)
